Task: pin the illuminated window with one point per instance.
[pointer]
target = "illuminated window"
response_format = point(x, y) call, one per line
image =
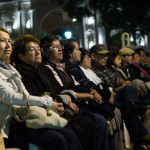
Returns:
point(9, 27)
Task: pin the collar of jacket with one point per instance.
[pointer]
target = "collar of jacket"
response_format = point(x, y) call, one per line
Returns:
point(99, 66)
point(25, 66)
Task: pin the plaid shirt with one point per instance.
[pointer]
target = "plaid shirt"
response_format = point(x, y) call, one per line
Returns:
point(107, 76)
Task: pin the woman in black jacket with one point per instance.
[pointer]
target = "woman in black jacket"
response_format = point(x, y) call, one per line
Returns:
point(27, 59)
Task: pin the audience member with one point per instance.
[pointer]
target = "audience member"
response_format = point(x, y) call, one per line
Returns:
point(136, 71)
point(134, 125)
point(141, 87)
point(87, 78)
point(143, 62)
point(147, 58)
point(53, 55)
point(11, 93)
point(27, 59)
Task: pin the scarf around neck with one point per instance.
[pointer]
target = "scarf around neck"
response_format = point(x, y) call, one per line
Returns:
point(4, 66)
point(141, 69)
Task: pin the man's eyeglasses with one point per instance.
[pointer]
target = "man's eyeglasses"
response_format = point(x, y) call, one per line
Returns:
point(33, 49)
point(57, 46)
point(103, 56)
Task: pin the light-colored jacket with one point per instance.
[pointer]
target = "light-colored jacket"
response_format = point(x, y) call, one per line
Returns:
point(11, 93)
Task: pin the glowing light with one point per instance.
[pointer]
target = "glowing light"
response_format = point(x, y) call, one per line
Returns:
point(142, 42)
point(91, 43)
point(16, 23)
point(68, 34)
point(131, 38)
point(90, 21)
point(101, 39)
point(28, 24)
point(74, 20)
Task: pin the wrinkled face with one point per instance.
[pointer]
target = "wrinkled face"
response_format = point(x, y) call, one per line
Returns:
point(75, 56)
point(86, 62)
point(32, 55)
point(100, 59)
point(142, 57)
point(5, 46)
point(55, 53)
point(136, 58)
point(117, 61)
point(127, 59)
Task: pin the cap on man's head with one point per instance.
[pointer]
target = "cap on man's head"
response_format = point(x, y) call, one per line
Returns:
point(126, 51)
point(99, 49)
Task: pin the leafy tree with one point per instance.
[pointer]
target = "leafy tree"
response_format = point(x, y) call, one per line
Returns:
point(126, 15)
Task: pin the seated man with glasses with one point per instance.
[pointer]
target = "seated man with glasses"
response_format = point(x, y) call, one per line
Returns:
point(38, 81)
point(126, 98)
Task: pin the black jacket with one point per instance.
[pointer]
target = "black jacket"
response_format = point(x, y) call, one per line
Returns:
point(38, 81)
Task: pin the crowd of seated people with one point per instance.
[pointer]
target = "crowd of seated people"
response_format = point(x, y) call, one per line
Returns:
point(53, 55)
point(120, 64)
point(27, 59)
point(87, 89)
point(12, 92)
point(125, 98)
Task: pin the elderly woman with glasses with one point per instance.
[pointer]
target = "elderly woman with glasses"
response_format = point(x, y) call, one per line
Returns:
point(38, 80)
point(53, 55)
point(11, 93)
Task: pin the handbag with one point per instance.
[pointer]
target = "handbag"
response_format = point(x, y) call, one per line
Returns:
point(37, 117)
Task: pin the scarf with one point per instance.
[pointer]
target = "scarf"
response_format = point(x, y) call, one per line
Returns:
point(121, 71)
point(4, 66)
point(141, 69)
point(91, 76)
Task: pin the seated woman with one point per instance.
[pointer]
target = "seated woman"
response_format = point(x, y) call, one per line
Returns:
point(123, 98)
point(137, 71)
point(53, 55)
point(27, 59)
point(86, 77)
point(11, 93)
point(114, 64)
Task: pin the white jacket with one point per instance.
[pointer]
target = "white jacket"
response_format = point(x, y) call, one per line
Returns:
point(11, 89)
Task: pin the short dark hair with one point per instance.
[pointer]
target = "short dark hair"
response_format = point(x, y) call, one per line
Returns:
point(111, 58)
point(84, 52)
point(137, 50)
point(47, 40)
point(20, 46)
point(68, 48)
point(45, 44)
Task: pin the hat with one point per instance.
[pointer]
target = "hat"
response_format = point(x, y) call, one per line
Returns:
point(99, 49)
point(126, 51)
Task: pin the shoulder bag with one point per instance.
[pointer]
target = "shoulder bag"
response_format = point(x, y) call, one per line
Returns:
point(37, 117)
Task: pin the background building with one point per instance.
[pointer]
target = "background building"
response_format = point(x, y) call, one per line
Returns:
point(40, 17)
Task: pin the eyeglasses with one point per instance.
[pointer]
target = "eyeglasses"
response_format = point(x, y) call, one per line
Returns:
point(33, 49)
point(57, 46)
point(103, 56)
point(128, 55)
point(87, 57)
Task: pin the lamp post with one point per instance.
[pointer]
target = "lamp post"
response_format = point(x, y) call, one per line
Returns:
point(20, 13)
point(96, 22)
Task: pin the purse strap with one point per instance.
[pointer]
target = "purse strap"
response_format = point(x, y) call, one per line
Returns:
point(2, 145)
point(27, 108)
